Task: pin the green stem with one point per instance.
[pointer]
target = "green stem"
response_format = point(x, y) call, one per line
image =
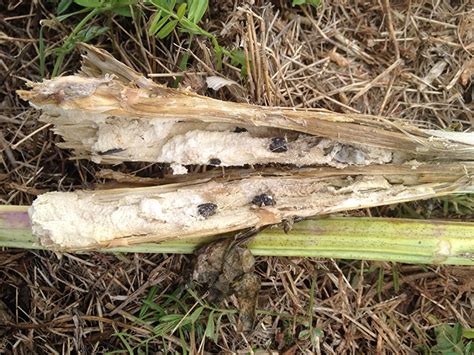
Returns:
point(388, 239)
point(195, 29)
point(42, 54)
point(184, 61)
point(71, 39)
point(63, 17)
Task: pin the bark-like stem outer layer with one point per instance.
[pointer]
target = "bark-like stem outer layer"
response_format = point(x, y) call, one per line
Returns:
point(398, 240)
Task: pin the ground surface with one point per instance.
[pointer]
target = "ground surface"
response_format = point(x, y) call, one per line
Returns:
point(411, 61)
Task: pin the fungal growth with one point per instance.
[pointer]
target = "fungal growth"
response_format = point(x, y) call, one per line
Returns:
point(84, 219)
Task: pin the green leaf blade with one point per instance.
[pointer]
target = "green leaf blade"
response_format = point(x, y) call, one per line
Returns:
point(195, 315)
point(167, 29)
point(154, 24)
point(122, 11)
point(314, 3)
point(210, 326)
point(197, 10)
point(181, 10)
point(89, 3)
point(63, 6)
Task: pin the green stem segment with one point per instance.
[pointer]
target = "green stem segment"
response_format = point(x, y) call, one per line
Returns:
point(400, 240)
point(70, 40)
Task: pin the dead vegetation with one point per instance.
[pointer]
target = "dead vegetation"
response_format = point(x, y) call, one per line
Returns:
point(79, 302)
point(396, 59)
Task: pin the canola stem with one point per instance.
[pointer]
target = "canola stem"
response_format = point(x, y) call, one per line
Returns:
point(397, 240)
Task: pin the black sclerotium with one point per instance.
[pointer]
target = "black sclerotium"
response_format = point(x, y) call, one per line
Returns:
point(215, 162)
point(278, 145)
point(111, 151)
point(263, 200)
point(240, 130)
point(207, 209)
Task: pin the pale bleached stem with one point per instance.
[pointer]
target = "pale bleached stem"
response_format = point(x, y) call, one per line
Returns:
point(85, 219)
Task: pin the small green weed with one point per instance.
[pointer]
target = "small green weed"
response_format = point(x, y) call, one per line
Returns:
point(314, 3)
point(82, 32)
point(169, 15)
point(450, 340)
point(462, 204)
point(182, 313)
point(185, 15)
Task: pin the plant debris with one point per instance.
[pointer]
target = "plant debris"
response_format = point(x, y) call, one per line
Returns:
point(226, 267)
point(5, 319)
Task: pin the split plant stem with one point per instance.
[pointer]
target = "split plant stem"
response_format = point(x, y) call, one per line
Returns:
point(397, 240)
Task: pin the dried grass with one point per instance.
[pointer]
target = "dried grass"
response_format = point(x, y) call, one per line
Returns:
point(76, 303)
point(346, 57)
